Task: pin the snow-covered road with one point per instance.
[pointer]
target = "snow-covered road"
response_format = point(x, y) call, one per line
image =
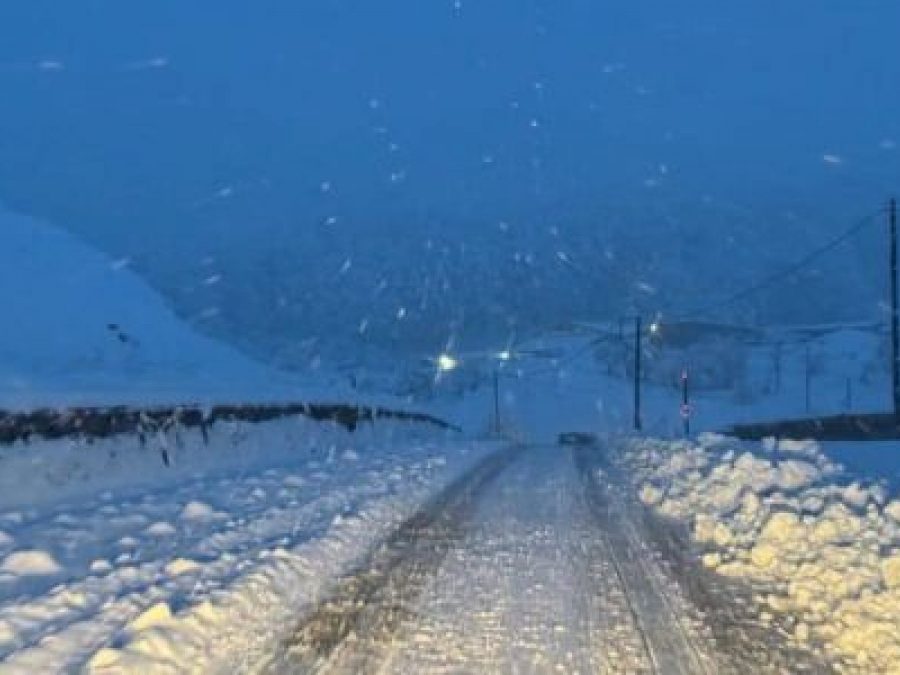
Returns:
point(535, 561)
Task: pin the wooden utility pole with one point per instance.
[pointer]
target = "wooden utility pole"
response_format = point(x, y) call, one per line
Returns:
point(637, 373)
point(778, 367)
point(895, 328)
point(496, 401)
point(848, 396)
point(808, 377)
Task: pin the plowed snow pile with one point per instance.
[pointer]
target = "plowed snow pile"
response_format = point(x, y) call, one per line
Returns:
point(112, 561)
point(824, 554)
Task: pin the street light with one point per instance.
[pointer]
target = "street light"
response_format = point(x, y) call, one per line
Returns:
point(446, 363)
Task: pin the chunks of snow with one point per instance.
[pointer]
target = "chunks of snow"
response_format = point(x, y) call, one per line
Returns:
point(8, 633)
point(890, 571)
point(828, 555)
point(156, 615)
point(100, 566)
point(197, 511)
point(893, 510)
point(805, 447)
point(650, 494)
point(181, 566)
point(30, 563)
point(161, 529)
point(793, 474)
point(137, 539)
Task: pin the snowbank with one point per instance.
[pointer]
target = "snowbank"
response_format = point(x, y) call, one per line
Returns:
point(105, 550)
point(822, 553)
point(45, 472)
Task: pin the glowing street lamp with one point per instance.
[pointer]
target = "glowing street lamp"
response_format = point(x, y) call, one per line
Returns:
point(446, 363)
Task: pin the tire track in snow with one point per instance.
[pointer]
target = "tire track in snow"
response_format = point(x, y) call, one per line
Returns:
point(672, 647)
point(531, 585)
point(547, 565)
point(524, 592)
point(376, 598)
point(707, 615)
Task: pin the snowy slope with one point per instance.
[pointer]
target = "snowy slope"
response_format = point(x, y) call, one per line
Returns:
point(81, 328)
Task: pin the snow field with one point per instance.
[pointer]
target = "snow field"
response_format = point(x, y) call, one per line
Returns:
point(105, 550)
point(822, 553)
point(88, 330)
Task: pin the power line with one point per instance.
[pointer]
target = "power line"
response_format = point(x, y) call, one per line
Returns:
point(786, 273)
point(559, 364)
point(753, 288)
point(757, 286)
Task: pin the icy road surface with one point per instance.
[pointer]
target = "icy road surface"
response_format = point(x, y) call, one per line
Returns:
point(534, 561)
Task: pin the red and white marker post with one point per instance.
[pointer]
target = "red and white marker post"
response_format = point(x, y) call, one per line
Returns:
point(685, 404)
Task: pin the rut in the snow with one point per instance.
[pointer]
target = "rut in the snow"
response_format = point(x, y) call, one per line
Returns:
point(375, 598)
point(532, 566)
point(700, 614)
point(672, 646)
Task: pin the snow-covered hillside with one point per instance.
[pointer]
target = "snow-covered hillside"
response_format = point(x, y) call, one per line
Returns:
point(81, 328)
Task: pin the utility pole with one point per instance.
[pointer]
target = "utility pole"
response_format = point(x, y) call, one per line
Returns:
point(895, 329)
point(637, 373)
point(848, 396)
point(808, 377)
point(778, 367)
point(496, 401)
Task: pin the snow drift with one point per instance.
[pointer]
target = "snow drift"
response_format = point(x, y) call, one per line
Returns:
point(823, 554)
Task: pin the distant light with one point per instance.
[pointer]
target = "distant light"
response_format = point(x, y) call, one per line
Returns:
point(654, 327)
point(505, 355)
point(446, 363)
